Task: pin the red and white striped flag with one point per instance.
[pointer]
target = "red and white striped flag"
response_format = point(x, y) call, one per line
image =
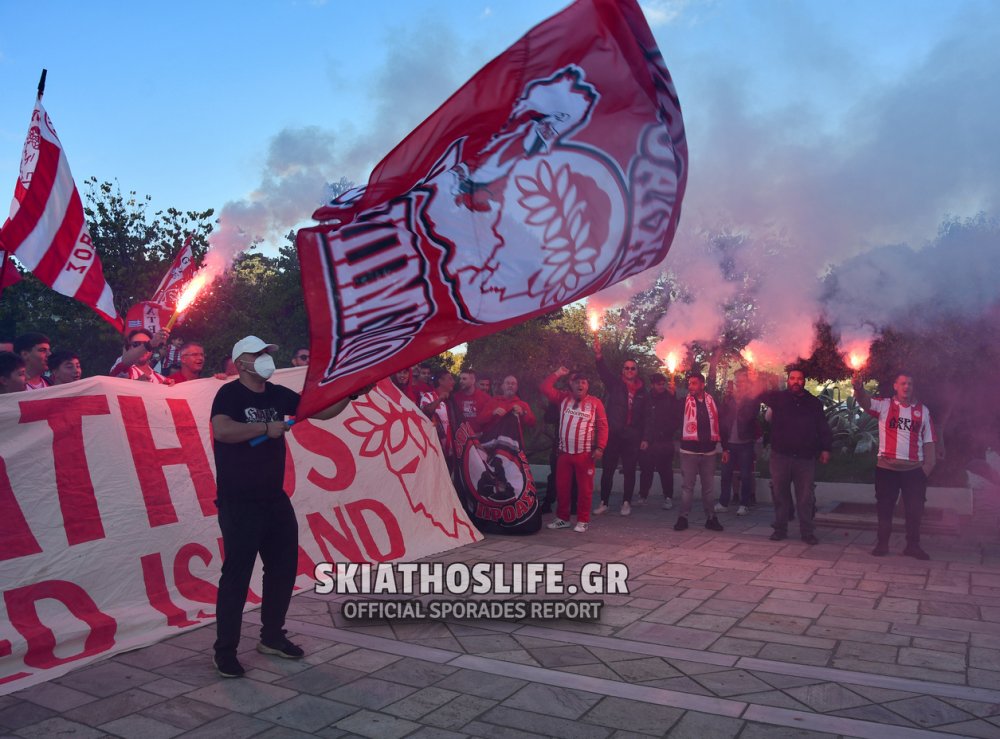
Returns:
point(47, 230)
point(179, 274)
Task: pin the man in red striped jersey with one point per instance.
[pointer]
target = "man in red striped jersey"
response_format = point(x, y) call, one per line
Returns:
point(583, 435)
point(906, 456)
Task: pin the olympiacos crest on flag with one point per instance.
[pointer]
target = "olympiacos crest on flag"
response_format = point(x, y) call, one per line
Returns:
point(554, 172)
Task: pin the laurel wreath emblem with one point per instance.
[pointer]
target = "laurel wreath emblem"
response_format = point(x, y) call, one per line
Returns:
point(553, 203)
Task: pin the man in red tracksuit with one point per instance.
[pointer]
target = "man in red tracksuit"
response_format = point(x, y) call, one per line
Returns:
point(583, 435)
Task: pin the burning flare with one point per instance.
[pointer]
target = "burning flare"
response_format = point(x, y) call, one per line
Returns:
point(857, 360)
point(672, 362)
point(747, 355)
point(595, 320)
point(188, 296)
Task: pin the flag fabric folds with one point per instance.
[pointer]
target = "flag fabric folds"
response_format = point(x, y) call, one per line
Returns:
point(47, 230)
point(556, 171)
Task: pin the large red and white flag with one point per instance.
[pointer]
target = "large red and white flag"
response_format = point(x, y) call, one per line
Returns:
point(557, 170)
point(47, 230)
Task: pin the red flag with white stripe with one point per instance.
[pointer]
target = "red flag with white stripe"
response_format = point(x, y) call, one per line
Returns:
point(179, 274)
point(556, 171)
point(47, 230)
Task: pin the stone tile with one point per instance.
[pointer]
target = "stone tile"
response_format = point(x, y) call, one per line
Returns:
point(55, 696)
point(184, 713)
point(856, 624)
point(745, 593)
point(553, 701)
point(106, 678)
point(196, 671)
point(741, 647)
point(683, 684)
point(973, 728)
point(491, 731)
point(825, 697)
point(732, 682)
point(773, 622)
point(707, 622)
point(931, 632)
point(230, 725)
point(930, 658)
point(486, 643)
point(694, 725)
point(459, 712)
point(415, 672)
point(798, 655)
point(646, 718)
point(153, 656)
point(167, 688)
point(283, 732)
point(320, 679)
point(420, 703)
point(938, 645)
point(518, 656)
point(877, 714)
point(563, 656)
point(883, 668)
point(783, 681)
point(778, 638)
point(976, 708)
point(871, 652)
point(369, 693)
point(665, 634)
point(641, 670)
point(724, 607)
point(927, 711)
point(978, 657)
point(306, 713)
point(774, 698)
point(790, 607)
point(376, 725)
point(858, 635)
point(600, 670)
point(365, 660)
point(482, 684)
point(984, 678)
point(673, 611)
point(138, 725)
point(243, 696)
point(58, 726)
point(108, 709)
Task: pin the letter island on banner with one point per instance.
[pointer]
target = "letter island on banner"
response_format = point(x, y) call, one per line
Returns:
point(109, 538)
point(557, 170)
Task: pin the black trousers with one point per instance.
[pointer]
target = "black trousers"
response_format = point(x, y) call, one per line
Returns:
point(252, 527)
point(624, 446)
point(659, 457)
point(889, 485)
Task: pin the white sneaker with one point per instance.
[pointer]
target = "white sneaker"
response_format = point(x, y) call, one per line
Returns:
point(742, 511)
point(581, 527)
point(668, 503)
point(719, 508)
point(559, 524)
point(602, 508)
point(626, 508)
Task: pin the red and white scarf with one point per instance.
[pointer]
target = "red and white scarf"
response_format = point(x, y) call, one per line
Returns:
point(690, 432)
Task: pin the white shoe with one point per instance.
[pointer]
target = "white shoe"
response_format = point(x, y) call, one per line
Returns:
point(640, 502)
point(626, 508)
point(581, 527)
point(559, 524)
point(719, 508)
point(668, 503)
point(602, 508)
point(742, 511)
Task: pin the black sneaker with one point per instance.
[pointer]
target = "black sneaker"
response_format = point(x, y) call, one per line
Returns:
point(778, 536)
point(880, 550)
point(228, 666)
point(810, 539)
point(682, 523)
point(280, 648)
point(713, 524)
point(914, 550)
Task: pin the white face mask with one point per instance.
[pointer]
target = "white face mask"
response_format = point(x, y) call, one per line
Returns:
point(263, 366)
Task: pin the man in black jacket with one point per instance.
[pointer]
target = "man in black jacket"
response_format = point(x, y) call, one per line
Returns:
point(656, 451)
point(799, 434)
point(625, 404)
point(740, 429)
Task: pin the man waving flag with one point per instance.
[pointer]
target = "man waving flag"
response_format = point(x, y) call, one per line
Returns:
point(556, 171)
point(47, 230)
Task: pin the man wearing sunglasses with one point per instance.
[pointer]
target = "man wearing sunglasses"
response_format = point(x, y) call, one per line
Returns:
point(625, 399)
point(140, 354)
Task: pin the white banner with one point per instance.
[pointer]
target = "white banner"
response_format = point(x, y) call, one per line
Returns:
point(108, 531)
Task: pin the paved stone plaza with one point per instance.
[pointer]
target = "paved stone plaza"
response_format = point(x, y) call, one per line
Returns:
point(721, 635)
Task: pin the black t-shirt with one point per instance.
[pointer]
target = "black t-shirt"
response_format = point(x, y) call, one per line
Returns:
point(241, 470)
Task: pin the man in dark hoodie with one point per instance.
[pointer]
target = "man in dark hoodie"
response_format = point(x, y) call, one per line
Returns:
point(625, 403)
point(799, 435)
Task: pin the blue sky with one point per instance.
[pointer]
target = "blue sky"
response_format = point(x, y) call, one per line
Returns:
point(836, 127)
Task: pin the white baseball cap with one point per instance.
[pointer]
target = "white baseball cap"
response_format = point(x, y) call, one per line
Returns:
point(251, 345)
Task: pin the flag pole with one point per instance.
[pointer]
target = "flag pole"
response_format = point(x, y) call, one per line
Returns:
point(41, 84)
